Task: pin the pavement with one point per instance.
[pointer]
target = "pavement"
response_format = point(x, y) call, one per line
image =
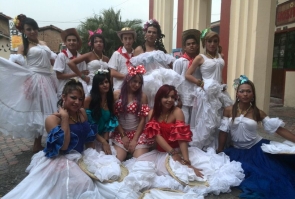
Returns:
point(15, 154)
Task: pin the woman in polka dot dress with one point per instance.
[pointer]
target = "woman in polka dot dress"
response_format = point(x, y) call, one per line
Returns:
point(131, 108)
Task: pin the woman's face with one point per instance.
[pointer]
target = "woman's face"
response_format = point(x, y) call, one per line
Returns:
point(104, 86)
point(73, 101)
point(151, 34)
point(32, 34)
point(135, 83)
point(212, 44)
point(245, 93)
point(98, 44)
point(169, 100)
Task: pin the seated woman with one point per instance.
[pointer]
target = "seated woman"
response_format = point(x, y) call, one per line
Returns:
point(100, 109)
point(131, 107)
point(54, 173)
point(267, 176)
point(166, 125)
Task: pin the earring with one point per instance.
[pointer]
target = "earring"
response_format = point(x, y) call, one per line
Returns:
point(238, 99)
point(25, 36)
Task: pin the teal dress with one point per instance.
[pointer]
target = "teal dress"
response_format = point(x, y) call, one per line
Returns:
point(106, 123)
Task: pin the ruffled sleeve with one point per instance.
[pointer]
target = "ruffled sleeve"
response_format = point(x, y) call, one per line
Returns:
point(144, 111)
point(224, 126)
point(17, 58)
point(91, 122)
point(55, 141)
point(152, 128)
point(271, 125)
point(111, 125)
point(90, 136)
point(180, 131)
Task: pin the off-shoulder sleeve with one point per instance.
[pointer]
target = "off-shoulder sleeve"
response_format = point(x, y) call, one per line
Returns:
point(90, 136)
point(111, 125)
point(17, 58)
point(144, 111)
point(55, 141)
point(271, 125)
point(224, 126)
point(152, 128)
point(91, 122)
point(180, 131)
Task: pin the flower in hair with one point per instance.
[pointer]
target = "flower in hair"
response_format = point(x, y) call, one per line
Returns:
point(76, 79)
point(101, 71)
point(204, 32)
point(241, 80)
point(16, 21)
point(136, 70)
point(150, 22)
point(98, 31)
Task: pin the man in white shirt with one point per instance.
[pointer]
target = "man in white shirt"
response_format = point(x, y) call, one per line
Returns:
point(120, 58)
point(191, 48)
point(73, 43)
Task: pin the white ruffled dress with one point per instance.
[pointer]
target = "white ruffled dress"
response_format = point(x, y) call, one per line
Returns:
point(208, 104)
point(157, 73)
point(28, 93)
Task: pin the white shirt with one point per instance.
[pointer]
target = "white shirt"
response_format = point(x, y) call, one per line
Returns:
point(118, 63)
point(61, 65)
point(186, 88)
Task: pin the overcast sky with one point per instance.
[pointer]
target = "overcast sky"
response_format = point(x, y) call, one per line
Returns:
point(69, 13)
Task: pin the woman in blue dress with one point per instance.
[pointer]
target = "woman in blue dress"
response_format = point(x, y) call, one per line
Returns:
point(266, 175)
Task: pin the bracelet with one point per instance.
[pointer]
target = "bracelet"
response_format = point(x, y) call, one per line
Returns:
point(172, 152)
point(83, 76)
point(122, 134)
point(185, 162)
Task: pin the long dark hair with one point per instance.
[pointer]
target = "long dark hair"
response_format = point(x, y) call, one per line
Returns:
point(161, 93)
point(159, 43)
point(256, 112)
point(95, 104)
point(92, 41)
point(124, 92)
point(70, 86)
point(22, 20)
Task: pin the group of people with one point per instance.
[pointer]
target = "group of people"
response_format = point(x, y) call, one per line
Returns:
point(166, 121)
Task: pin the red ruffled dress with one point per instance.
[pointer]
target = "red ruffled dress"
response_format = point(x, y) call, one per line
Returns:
point(129, 123)
point(171, 132)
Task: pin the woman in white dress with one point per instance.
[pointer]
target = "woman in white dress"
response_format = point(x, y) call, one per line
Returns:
point(153, 55)
point(54, 172)
point(210, 95)
point(267, 175)
point(28, 88)
point(95, 59)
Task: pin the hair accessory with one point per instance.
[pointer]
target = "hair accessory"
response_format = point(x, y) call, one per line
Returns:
point(98, 31)
point(241, 80)
point(18, 21)
point(204, 32)
point(136, 70)
point(150, 22)
point(101, 71)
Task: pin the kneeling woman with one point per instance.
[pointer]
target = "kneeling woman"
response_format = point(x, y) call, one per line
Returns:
point(267, 176)
point(53, 172)
point(166, 125)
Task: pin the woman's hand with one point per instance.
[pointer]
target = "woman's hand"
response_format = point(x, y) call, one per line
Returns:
point(176, 157)
point(62, 113)
point(197, 171)
point(106, 148)
point(132, 145)
point(125, 141)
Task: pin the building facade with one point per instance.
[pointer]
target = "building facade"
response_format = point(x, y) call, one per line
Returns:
point(4, 36)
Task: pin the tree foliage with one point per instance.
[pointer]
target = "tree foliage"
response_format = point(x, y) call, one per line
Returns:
point(109, 22)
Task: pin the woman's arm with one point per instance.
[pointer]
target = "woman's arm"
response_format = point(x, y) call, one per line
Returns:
point(73, 65)
point(223, 135)
point(116, 74)
point(198, 61)
point(138, 50)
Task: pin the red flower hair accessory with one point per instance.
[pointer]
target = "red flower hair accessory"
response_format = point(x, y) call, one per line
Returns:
point(136, 70)
point(98, 31)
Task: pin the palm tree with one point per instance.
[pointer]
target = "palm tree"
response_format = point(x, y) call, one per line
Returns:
point(109, 22)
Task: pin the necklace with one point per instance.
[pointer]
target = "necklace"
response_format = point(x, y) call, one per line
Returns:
point(208, 55)
point(104, 105)
point(99, 58)
point(31, 42)
point(75, 121)
point(245, 112)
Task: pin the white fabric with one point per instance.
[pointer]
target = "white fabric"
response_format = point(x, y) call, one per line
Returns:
point(93, 66)
point(17, 58)
point(271, 125)
point(104, 167)
point(208, 104)
point(59, 177)
point(118, 63)
point(28, 94)
point(277, 147)
point(61, 65)
point(187, 111)
point(157, 72)
point(160, 194)
point(186, 88)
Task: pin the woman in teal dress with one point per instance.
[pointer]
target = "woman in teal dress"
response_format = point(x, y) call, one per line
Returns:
point(100, 109)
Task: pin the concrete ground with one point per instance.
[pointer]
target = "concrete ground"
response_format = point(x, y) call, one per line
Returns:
point(15, 154)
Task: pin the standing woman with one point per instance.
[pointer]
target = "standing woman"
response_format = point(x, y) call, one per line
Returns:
point(95, 59)
point(131, 107)
point(99, 107)
point(210, 95)
point(28, 88)
point(152, 54)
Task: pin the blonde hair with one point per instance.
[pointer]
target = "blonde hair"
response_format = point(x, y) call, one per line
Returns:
point(209, 35)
